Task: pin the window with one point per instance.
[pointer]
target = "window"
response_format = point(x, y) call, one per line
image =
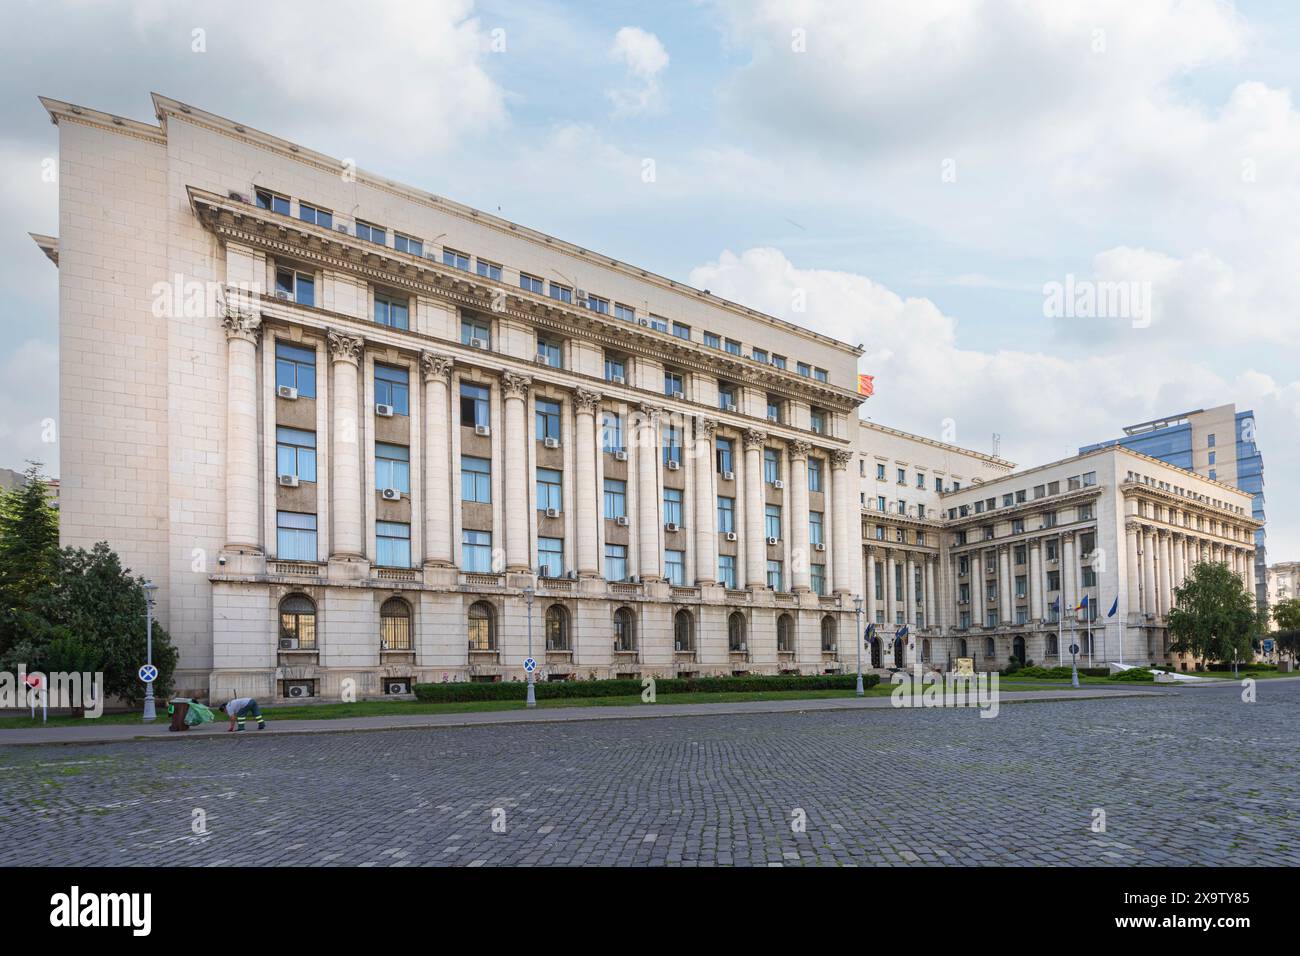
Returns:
point(295, 536)
point(673, 384)
point(550, 557)
point(682, 331)
point(675, 567)
point(727, 571)
point(1051, 551)
point(321, 217)
point(814, 474)
point(550, 487)
point(990, 620)
point(938, 483)
point(395, 625)
point(1085, 512)
point(778, 361)
point(474, 405)
point(295, 453)
point(615, 562)
point(673, 444)
point(880, 472)
point(817, 578)
point(673, 506)
point(488, 270)
point(817, 421)
point(736, 633)
point(615, 499)
point(596, 304)
point(772, 521)
point(550, 352)
point(393, 467)
point(726, 397)
point(408, 244)
point(759, 355)
point(561, 293)
point(392, 544)
point(1209, 439)
point(615, 369)
point(392, 388)
point(476, 332)
point(1053, 580)
point(624, 312)
point(624, 630)
point(481, 622)
point(295, 367)
point(1049, 519)
point(771, 465)
point(683, 632)
point(773, 409)
point(1022, 585)
point(1017, 525)
point(712, 340)
point(298, 287)
point(530, 283)
point(475, 479)
point(392, 312)
point(457, 260)
point(829, 643)
point(372, 233)
point(1020, 553)
point(476, 551)
point(547, 418)
point(272, 201)
point(732, 347)
point(557, 628)
point(880, 502)
point(726, 515)
point(723, 453)
point(298, 621)
point(816, 535)
point(804, 369)
point(820, 374)
point(611, 432)
point(1022, 615)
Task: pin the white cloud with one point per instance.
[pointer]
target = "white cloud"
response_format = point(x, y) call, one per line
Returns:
point(29, 393)
point(644, 58)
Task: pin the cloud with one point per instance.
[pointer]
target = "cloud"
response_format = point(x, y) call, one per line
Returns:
point(644, 59)
point(30, 395)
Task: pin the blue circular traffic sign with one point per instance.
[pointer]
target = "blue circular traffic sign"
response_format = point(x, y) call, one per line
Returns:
point(530, 665)
point(148, 673)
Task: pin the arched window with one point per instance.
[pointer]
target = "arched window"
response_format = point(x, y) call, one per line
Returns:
point(785, 634)
point(829, 641)
point(624, 630)
point(989, 649)
point(557, 628)
point(482, 621)
point(395, 625)
point(683, 631)
point(1051, 645)
point(961, 648)
point(298, 623)
point(925, 649)
point(736, 633)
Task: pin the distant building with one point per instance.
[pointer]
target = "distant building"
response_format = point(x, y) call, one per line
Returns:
point(1199, 441)
point(1283, 582)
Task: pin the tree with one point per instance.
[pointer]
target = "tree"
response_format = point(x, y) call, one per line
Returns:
point(1286, 615)
point(1214, 617)
point(29, 545)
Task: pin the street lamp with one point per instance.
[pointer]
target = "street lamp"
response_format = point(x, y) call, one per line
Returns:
point(149, 587)
point(857, 604)
point(532, 695)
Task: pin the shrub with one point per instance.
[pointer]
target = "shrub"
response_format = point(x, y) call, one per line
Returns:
point(1137, 674)
point(568, 690)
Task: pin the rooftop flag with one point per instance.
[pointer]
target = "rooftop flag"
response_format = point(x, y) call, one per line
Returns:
point(866, 385)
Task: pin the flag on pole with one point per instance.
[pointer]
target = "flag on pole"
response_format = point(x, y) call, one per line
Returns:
point(1114, 607)
point(1056, 604)
point(866, 385)
point(870, 632)
point(901, 632)
point(1083, 605)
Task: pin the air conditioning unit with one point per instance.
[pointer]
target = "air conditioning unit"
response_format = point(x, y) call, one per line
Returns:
point(645, 322)
point(620, 455)
point(672, 526)
point(834, 648)
point(677, 646)
point(289, 481)
point(282, 295)
point(731, 407)
point(551, 442)
point(622, 521)
point(773, 540)
point(397, 685)
point(384, 411)
point(339, 227)
point(552, 512)
point(618, 380)
point(731, 536)
point(303, 688)
point(677, 393)
point(673, 465)
point(819, 546)
point(541, 359)
point(478, 343)
point(728, 476)
point(287, 391)
point(778, 484)
point(288, 643)
point(482, 430)
point(238, 197)
point(772, 419)
point(744, 647)
point(392, 494)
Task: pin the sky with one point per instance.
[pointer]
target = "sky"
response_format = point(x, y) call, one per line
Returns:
point(921, 178)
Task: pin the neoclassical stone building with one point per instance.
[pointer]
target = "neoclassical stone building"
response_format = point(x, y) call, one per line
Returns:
point(360, 436)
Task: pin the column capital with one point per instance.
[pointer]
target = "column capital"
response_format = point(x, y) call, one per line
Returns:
point(586, 401)
point(344, 347)
point(240, 323)
point(436, 366)
point(515, 385)
point(798, 449)
point(754, 438)
point(650, 414)
point(705, 427)
point(840, 458)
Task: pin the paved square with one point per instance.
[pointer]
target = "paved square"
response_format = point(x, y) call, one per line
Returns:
point(1195, 778)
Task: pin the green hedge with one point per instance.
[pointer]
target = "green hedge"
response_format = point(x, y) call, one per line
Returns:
point(1137, 674)
point(568, 689)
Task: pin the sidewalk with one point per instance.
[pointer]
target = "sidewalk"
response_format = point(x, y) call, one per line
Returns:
point(96, 733)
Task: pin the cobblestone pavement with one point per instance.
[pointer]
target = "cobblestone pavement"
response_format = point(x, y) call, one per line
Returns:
point(1194, 778)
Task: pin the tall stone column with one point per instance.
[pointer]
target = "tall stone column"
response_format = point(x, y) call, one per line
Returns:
point(586, 404)
point(647, 494)
point(931, 604)
point(870, 594)
point(1036, 581)
point(1069, 574)
point(243, 329)
point(1149, 571)
point(1004, 583)
point(1162, 572)
point(909, 590)
point(755, 540)
point(800, 547)
point(514, 388)
point(846, 524)
point(437, 467)
point(345, 482)
point(1133, 570)
point(706, 506)
point(891, 595)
